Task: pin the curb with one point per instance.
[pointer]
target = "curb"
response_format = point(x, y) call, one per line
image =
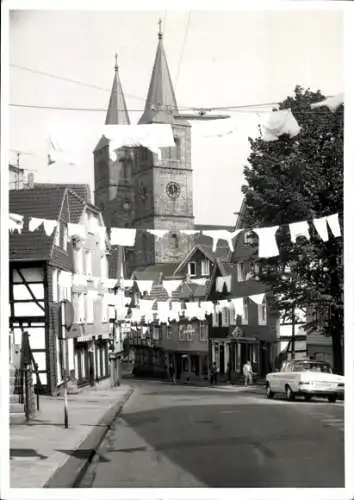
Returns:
point(70, 474)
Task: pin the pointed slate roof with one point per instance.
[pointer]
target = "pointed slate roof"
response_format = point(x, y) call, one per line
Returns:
point(161, 103)
point(117, 112)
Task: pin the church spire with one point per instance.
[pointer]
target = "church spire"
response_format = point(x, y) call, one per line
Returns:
point(161, 104)
point(117, 113)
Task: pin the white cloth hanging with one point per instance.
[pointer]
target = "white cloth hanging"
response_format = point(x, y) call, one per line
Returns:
point(198, 281)
point(34, 223)
point(171, 285)
point(221, 281)
point(238, 306)
point(207, 306)
point(258, 299)
point(267, 244)
point(136, 315)
point(222, 234)
point(158, 233)
point(194, 311)
point(144, 286)
point(224, 304)
point(65, 279)
point(76, 230)
point(332, 103)
point(333, 222)
point(146, 305)
point(278, 123)
point(176, 307)
point(163, 309)
point(49, 226)
point(151, 136)
point(123, 237)
point(16, 222)
point(299, 229)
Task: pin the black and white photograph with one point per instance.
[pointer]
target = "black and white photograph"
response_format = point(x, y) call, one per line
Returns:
point(176, 250)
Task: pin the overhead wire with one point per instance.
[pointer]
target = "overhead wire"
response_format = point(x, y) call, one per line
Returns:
point(183, 47)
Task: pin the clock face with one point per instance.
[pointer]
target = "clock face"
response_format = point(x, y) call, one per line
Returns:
point(173, 189)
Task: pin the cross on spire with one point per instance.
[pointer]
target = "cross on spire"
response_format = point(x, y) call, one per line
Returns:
point(160, 29)
point(116, 61)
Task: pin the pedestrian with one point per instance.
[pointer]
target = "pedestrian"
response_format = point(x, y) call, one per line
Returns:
point(228, 372)
point(213, 374)
point(172, 373)
point(247, 373)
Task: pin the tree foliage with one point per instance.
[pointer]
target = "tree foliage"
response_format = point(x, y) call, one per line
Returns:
point(299, 179)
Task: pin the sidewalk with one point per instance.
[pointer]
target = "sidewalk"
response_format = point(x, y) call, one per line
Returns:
point(45, 454)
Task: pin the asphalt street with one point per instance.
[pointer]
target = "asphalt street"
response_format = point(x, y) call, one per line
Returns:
point(172, 436)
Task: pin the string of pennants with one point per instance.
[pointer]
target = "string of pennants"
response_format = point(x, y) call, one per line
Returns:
point(267, 244)
point(151, 310)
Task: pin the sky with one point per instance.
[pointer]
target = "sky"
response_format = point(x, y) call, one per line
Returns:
point(216, 59)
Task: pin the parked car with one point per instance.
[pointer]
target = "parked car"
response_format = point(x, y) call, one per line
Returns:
point(306, 378)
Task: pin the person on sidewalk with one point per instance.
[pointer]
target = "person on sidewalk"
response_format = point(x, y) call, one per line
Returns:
point(172, 373)
point(248, 373)
point(213, 374)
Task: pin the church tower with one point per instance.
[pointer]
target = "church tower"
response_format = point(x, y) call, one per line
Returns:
point(163, 188)
point(114, 191)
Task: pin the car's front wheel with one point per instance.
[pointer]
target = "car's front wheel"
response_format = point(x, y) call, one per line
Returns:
point(289, 395)
point(332, 398)
point(269, 392)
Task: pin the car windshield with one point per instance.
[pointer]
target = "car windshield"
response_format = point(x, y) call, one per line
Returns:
point(312, 367)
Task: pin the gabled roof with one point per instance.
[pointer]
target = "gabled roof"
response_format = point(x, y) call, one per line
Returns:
point(53, 202)
point(83, 190)
point(161, 103)
point(190, 254)
point(154, 271)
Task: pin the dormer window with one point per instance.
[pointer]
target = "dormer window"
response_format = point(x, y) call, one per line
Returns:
point(192, 268)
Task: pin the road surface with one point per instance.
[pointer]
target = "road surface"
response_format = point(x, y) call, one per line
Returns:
point(172, 436)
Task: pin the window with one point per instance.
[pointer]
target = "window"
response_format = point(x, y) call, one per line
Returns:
point(205, 267)
point(89, 308)
point(240, 272)
point(88, 262)
point(104, 309)
point(262, 313)
point(225, 317)
point(104, 267)
point(215, 317)
point(81, 307)
point(192, 268)
point(174, 239)
point(169, 331)
point(156, 332)
point(204, 331)
point(57, 235)
point(177, 149)
point(78, 261)
point(245, 312)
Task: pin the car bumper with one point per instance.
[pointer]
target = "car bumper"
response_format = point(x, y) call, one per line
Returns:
point(316, 393)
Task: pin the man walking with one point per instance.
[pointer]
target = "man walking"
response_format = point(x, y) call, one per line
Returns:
point(248, 373)
point(213, 374)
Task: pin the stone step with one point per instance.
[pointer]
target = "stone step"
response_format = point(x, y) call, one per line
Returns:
point(17, 418)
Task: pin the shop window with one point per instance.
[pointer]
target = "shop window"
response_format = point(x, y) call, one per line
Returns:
point(156, 332)
point(225, 317)
point(192, 268)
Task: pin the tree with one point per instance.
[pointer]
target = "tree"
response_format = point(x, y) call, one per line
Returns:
point(298, 179)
